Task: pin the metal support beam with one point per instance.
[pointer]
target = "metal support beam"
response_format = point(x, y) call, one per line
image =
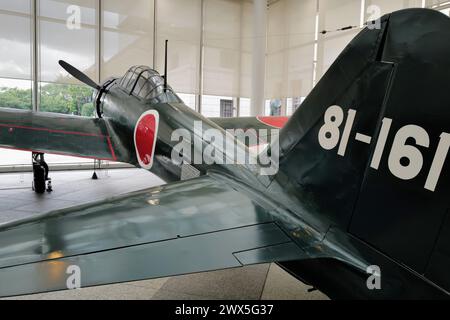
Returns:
point(259, 57)
point(35, 55)
point(202, 60)
point(241, 45)
point(99, 41)
point(155, 34)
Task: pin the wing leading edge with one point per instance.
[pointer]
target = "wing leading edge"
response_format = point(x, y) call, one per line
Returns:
point(55, 134)
point(192, 226)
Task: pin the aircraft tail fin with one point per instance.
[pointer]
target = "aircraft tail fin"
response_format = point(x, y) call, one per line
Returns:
point(368, 149)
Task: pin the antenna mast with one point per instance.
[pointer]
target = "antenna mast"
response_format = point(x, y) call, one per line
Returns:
point(165, 67)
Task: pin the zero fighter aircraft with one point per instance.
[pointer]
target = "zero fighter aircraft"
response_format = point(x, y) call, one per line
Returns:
point(359, 207)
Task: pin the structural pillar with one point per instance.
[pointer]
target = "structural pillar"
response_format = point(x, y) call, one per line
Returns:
point(259, 57)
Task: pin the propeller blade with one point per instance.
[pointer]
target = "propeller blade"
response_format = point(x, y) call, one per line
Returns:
point(77, 74)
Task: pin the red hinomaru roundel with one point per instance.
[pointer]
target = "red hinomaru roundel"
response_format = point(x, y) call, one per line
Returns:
point(145, 138)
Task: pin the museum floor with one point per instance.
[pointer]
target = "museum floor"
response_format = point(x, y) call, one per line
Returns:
point(17, 201)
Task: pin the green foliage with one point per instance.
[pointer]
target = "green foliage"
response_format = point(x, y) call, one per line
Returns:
point(87, 110)
point(59, 98)
point(15, 98)
point(64, 98)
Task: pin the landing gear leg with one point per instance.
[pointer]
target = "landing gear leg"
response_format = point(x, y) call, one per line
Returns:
point(94, 175)
point(41, 181)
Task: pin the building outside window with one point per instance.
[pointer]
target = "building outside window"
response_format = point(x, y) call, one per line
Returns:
point(226, 108)
point(211, 105)
point(275, 107)
point(188, 99)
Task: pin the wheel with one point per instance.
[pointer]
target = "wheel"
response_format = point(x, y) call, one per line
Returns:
point(39, 179)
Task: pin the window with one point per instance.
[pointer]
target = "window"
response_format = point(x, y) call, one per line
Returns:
point(289, 107)
point(127, 35)
point(244, 108)
point(59, 92)
point(66, 98)
point(15, 94)
point(273, 107)
point(292, 104)
point(15, 54)
point(179, 21)
point(446, 11)
point(211, 105)
point(223, 27)
point(294, 54)
point(267, 108)
point(188, 99)
point(226, 108)
point(388, 6)
point(335, 14)
point(291, 28)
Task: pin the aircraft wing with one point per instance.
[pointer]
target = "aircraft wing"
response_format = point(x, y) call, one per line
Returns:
point(260, 128)
point(256, 123)
point(198, 225)
point(56, 134)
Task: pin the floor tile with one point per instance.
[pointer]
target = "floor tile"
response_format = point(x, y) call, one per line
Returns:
point(236, 284)
point(282, 286)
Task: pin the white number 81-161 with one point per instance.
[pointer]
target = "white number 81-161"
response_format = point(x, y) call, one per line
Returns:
point(405, 160)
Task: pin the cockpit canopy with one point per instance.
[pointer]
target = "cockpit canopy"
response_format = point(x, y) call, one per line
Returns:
point(143, 82)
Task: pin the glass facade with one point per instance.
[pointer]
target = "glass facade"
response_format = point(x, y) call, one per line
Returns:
point(210, 48)
point(16, 54)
